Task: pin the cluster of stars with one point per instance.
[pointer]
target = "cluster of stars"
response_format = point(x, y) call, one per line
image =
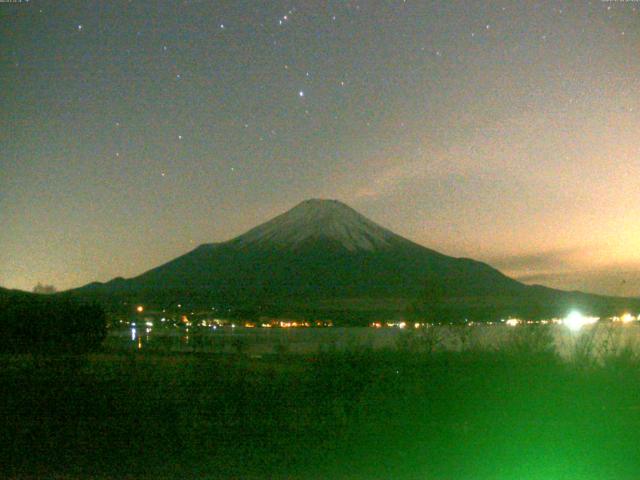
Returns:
point(433, 49)
point(284, 18)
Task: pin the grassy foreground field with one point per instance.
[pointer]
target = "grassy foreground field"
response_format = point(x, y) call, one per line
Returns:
point(355, 415)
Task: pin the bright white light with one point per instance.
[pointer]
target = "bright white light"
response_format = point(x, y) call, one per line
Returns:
point(575, 321)
point(512, 322)
point(301, 93)
point(133, 334)
point(149, 324)
point(402, 325)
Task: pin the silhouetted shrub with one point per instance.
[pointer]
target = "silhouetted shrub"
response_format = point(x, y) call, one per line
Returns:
point(33, 324)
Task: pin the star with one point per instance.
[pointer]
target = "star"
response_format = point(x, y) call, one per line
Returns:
point(79, 27)
point(179, 137)
point(301, 93)
point(222, 26)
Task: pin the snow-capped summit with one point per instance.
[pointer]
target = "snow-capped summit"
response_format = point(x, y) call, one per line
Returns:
point(319, 219)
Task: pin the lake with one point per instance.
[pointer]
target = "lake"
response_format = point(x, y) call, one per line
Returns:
point(598, 339)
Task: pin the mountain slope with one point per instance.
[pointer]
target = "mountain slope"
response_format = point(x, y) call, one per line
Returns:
point(323, 257)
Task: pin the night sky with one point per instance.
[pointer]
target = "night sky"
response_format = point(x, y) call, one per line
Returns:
point(509, 132)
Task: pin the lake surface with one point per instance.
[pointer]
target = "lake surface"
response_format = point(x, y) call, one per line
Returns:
point(599, 339)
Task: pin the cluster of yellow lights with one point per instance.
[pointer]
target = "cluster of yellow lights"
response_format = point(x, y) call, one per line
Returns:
point(294, 324)
point(393, 324)
point(626, 318)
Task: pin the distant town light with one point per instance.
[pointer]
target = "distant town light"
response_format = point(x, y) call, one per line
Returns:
point(139, 309)
point(513, 322)
point(627, 317)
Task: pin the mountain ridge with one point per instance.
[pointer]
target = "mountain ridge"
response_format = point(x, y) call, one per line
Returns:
point(322, 253)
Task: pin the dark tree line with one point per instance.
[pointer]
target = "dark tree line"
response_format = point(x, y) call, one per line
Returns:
point(44, 324)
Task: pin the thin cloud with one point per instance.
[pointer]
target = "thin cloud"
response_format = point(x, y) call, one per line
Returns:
point(558, 259)
point(388, 176)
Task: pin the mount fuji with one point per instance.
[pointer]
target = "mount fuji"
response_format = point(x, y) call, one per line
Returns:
point(324, 259)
